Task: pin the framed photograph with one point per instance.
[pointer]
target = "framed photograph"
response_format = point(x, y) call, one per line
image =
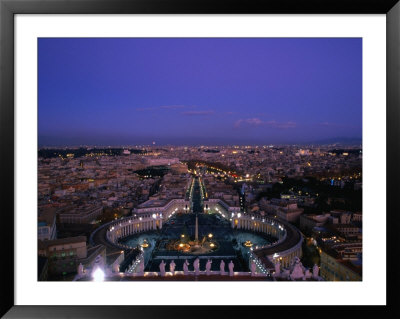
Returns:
point(159, 155)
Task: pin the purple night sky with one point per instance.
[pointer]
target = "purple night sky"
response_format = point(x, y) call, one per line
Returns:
point(199, 91)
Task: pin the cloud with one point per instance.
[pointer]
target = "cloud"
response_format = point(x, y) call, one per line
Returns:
point(163, 107)
point(249, 122)
point(196, 113)
point(338, 125)
point(173, 107)
point(327, 124)
point(255, 122)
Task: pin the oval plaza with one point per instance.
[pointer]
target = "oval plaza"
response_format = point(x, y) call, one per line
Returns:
point(198, 235)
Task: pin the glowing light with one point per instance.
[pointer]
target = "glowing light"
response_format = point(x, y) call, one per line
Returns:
point(210, 235)
point(145, 244)
point(154, 216)
point(248, 243)
point(98, 275)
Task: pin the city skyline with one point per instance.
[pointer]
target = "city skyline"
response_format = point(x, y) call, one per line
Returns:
point(199, 91)
point(195, 213)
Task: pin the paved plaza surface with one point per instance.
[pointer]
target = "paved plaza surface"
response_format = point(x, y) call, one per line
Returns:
point(229, 242)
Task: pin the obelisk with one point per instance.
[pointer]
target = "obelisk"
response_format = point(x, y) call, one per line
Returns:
point(196, 231)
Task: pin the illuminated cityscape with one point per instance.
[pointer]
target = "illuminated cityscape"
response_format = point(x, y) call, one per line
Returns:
point(200, 159)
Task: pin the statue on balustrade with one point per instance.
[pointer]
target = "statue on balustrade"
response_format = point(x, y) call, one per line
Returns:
point(80, 269)
point(297, 271)
point(231, 266)
point(162, 268)
point(196, 265)
point(222, 267)
point(172, 267)
point(253, 268)
point(208, 267)
point(186, 267)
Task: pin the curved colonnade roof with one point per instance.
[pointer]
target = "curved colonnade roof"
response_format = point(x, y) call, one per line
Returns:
point(293, 237)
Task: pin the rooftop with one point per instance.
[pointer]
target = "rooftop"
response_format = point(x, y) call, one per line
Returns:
point(292, 238)
point(44, 244)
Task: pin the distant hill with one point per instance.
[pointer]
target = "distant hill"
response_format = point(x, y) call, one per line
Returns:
point(339, 140)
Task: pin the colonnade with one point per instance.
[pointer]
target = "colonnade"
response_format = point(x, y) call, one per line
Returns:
point(172, 207)
point(133, 225)
point(257, 224)
point(274, 228)
point(137, 224)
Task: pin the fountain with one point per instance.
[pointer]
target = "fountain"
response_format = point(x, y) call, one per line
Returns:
point(145, 244)
point(196, 246)
point(248, 243)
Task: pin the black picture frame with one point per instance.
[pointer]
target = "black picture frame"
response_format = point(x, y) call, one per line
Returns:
point(8, 8)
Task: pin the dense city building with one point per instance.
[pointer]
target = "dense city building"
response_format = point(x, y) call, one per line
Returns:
point(269, 212)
